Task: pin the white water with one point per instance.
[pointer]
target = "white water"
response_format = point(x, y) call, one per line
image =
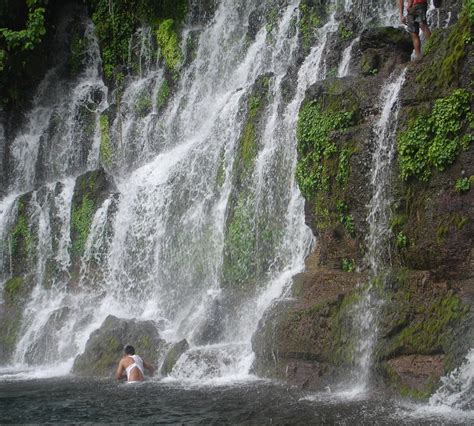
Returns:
point(344, 69)
point(54, 142)
point(457, 390)
point(160, 256)
point(367, 309)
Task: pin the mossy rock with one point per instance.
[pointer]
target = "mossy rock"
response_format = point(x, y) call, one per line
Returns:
point(240, 251)
point(90, 191)
point(15, 294)
point(104, 349)
point(175, 351)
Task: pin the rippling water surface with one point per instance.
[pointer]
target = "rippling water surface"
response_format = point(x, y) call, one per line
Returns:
point(71, 400)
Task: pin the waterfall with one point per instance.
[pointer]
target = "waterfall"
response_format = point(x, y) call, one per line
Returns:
point(343, 69)
point(377, 258)
point(457, 389)
point(159, 246)
point(55, 141)
point(156, 250)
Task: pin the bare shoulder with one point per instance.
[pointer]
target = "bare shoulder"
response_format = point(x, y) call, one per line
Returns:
point(123, 361)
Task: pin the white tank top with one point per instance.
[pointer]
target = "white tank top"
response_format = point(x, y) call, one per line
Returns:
point(138, 363)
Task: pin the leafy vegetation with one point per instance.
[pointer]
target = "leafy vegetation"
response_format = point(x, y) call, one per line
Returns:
point(310, 20)
point(35, 29)
point(402, 240)
point(345, 218)
point(168, 41)
point(105, 149)
point(116, 22)
point(448, 53)
point(23, 28)
point(345, 33)
point(433, 141)
point(348, 265)
point(81, 221)
point(21, 241)
point(315, 145)
point(463, 185)
point(163, 94)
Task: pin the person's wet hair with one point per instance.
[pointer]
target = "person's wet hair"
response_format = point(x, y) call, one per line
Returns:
point(129, 350)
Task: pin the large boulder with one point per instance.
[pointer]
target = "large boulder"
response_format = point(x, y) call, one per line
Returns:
point(175, 351)
point(105, 346)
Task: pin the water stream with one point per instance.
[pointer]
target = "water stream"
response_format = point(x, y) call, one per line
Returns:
point(158, 245)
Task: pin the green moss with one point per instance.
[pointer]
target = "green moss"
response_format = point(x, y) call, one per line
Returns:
point(78, 48)
point(343, 167)
point(13, 287)
point(323, 168)
point(172, 357)
point(9, 331)
point(168, 41)
point(450, 221)
point(240, 260)
point(105, 148)
point(271, 18)
point(407, 392)
point(143, 104)
point(163, 94)
point(107, 359)
point(81, 222)
point(310, 21)
point(21, 241)
point(144, 344)
point(433, 141)
point(341, 341)
point(432, 331)
point(463, 185)
point(450, 52)
point(246, 231)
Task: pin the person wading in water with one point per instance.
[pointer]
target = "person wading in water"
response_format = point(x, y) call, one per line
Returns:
point(133, 365)
point(415, 19)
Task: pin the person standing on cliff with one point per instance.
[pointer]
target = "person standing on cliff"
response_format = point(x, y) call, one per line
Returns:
point(415, 19)
point(133, 365)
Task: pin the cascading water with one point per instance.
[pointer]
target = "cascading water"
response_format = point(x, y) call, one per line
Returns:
point(377, 258)
point(160, 248)
point(457, 390)
point(59, 137)
point(157, 248)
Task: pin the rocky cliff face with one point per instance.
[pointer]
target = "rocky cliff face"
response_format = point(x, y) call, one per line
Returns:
point(425, 323)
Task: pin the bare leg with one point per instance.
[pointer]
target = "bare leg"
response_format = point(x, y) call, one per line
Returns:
point(416, 44)
point(426, 31)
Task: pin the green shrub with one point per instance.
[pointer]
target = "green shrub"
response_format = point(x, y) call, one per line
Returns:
point(434, 140)
point(348, 265)
point(105, 149)
point(168, 41)
point(402, 240)
point(463, 185)
point(163, 94)
point(315, 144)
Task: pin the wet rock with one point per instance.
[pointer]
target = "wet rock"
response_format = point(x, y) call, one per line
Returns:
point(417, 373)
point(16, 291)
point(104, 349)
point(382, 49)
point(306, 340)
point(90, 191)
point(44, 348)
point(175, 351)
